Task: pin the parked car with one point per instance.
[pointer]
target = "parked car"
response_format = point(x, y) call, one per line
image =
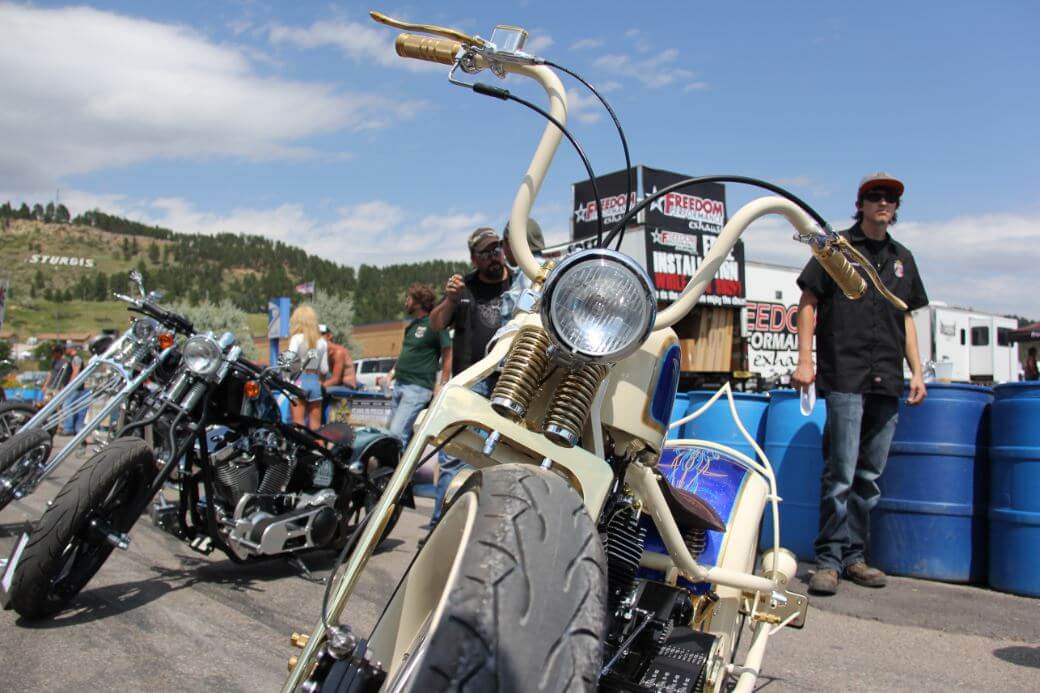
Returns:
point(370, 369)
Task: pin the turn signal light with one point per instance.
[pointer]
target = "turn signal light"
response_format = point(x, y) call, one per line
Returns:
point(252, 389)
point(165, 340)
point(292, 662)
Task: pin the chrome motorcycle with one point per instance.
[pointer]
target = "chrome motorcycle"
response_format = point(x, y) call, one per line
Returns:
point(584, 552)
point(247, 483)
point(107, 389)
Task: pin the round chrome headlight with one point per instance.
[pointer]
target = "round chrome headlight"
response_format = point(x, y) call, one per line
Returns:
point(202, 355)
point(598, 305)
point(144, 329)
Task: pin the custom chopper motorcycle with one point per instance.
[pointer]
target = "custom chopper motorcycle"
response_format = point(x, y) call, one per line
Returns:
point(109, 388)
point(247, 483)
point(583, 552)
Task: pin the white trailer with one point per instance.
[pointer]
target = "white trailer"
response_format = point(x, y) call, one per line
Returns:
point(967, 345)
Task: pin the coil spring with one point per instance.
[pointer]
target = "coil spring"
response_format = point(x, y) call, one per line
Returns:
point(696, 541)
point(524, 368)
point(571, 403)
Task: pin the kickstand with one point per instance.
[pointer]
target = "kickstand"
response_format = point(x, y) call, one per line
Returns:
point(305, 572)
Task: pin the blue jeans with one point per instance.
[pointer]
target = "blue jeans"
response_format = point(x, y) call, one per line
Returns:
point(407, 401)
point(73, 422)
point(450, 466)
point(856, 440)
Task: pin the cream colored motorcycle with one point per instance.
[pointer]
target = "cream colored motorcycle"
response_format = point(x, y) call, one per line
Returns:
point(583, 552)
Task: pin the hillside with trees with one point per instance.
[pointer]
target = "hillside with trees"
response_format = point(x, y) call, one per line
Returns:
point(244, 269)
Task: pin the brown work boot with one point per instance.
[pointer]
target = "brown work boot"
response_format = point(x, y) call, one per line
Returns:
point(863, 574)
point(824, 582)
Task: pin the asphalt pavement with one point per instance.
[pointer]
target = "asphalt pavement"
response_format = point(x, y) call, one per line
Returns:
point(161, 617)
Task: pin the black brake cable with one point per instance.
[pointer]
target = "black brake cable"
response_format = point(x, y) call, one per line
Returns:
point(505, 95)
point(348, 547)
point(621, 136)
point(746, 180)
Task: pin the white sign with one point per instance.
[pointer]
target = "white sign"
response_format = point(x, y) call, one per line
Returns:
point(61, 260)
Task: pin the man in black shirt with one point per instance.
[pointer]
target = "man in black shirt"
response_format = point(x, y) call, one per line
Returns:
point(472, 305)
point(860, 347)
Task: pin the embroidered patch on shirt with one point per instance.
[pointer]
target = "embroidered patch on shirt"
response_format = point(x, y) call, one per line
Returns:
point(897, 266)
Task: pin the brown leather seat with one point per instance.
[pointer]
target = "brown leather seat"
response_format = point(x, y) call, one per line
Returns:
point(689, 510)
point(337, 432)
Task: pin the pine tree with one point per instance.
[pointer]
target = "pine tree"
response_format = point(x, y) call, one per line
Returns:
point(61, 214)
point(23, 212)
point(48, 213)
point(37, 212)
point(153, 253)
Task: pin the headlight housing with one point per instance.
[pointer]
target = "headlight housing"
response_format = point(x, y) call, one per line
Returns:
point(144, 329)
point(202, 355)
point(598, 306)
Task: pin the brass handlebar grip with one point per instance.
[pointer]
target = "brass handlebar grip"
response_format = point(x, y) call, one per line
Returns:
point(434, 50)
point(842, 272)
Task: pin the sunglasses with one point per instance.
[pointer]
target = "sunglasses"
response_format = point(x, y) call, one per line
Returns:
point(889, 196)
point(489, 253)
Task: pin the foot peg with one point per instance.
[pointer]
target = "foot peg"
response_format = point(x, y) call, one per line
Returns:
point(203, 544)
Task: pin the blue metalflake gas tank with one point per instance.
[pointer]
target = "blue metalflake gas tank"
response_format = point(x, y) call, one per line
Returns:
point(713, 473)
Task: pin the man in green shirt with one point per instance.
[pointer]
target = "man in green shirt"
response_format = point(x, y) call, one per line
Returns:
point(424, 351)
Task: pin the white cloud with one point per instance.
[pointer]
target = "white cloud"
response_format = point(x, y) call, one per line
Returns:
point(583, 106)
point(539, 43)
point(586, 44)
point(361, 43)
point(987, 261)
point(654, 71)
point(86, 90)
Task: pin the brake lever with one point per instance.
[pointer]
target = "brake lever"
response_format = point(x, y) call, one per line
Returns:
point(850, 252)
point(431, 29)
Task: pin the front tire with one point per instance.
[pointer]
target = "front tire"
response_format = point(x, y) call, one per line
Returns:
point(30, 447)
point(65, 549)
point(524, 606)
point(14, 415)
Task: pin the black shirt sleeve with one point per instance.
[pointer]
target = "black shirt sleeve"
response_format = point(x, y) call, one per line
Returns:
point(918, 296)
point(815, 279)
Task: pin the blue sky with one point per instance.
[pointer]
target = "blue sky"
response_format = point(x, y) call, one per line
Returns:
point(297, 121)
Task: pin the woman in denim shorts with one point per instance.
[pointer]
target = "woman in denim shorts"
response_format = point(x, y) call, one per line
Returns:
point(312, 358)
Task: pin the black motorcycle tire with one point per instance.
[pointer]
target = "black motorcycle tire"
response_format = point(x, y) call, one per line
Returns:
point(15, 448)
point(14, 415)
point(112, 486)
point(527, 609)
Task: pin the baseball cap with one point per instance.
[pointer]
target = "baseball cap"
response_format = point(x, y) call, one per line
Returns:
point(880, 180)
point(535, 239)
point(482, 237)
point(323, 328)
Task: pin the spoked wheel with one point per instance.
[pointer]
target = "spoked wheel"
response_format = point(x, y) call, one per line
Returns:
point(508, 594)
point(14, 415)
point(20, 456)
point(88, 518)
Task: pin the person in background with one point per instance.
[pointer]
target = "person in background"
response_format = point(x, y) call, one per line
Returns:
point(75, 406)
point(341, 366)
point(536, 241)
point(425, 353)
point(473, 306)
point(860, 348)
point(57, 378)
point(1031, 370)
point(312, 359)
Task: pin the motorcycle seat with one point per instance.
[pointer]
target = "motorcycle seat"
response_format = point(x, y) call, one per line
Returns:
point(338, 433)
point(689, 510)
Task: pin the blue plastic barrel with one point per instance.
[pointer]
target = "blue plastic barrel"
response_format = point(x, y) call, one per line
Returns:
point(1014, 512)
point(931, 519)
point(717, 423)
point(682, 401)
point(794, 446)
